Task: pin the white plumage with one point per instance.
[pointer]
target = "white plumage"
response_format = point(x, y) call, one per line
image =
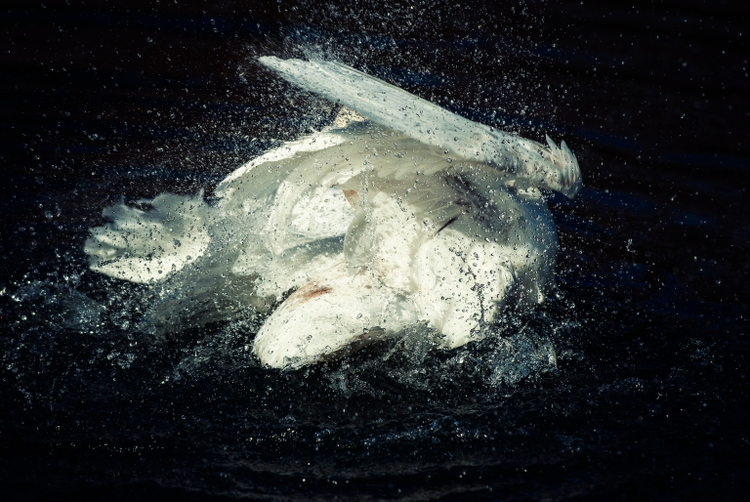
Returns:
point(397, 214)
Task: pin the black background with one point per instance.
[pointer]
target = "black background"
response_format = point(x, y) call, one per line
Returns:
point(108, 99)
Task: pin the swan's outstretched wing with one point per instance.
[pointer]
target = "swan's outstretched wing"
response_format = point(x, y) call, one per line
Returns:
point(547, 166)
point(148, 246)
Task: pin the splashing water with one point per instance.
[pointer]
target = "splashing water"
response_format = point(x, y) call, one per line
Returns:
point(628, 381)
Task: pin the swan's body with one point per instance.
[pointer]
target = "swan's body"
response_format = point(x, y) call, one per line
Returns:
point(375, 225)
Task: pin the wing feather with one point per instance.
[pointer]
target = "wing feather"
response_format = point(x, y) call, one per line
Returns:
point(547, 166)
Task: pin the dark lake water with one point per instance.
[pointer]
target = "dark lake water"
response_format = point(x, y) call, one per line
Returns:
point(630, 382)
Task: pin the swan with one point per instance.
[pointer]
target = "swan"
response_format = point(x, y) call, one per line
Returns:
point(399, 213)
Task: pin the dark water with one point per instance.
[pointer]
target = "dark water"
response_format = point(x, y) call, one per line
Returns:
point(630, 382)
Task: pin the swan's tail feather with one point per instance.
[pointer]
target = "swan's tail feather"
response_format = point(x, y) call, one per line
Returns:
point(569, 181)
point(146, 246)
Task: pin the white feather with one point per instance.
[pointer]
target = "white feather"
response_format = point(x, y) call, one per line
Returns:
point(548, 166)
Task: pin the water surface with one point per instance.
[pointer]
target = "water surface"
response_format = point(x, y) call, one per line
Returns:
point(630, 381)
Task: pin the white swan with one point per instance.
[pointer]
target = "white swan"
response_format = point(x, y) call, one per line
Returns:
point(398, 213)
